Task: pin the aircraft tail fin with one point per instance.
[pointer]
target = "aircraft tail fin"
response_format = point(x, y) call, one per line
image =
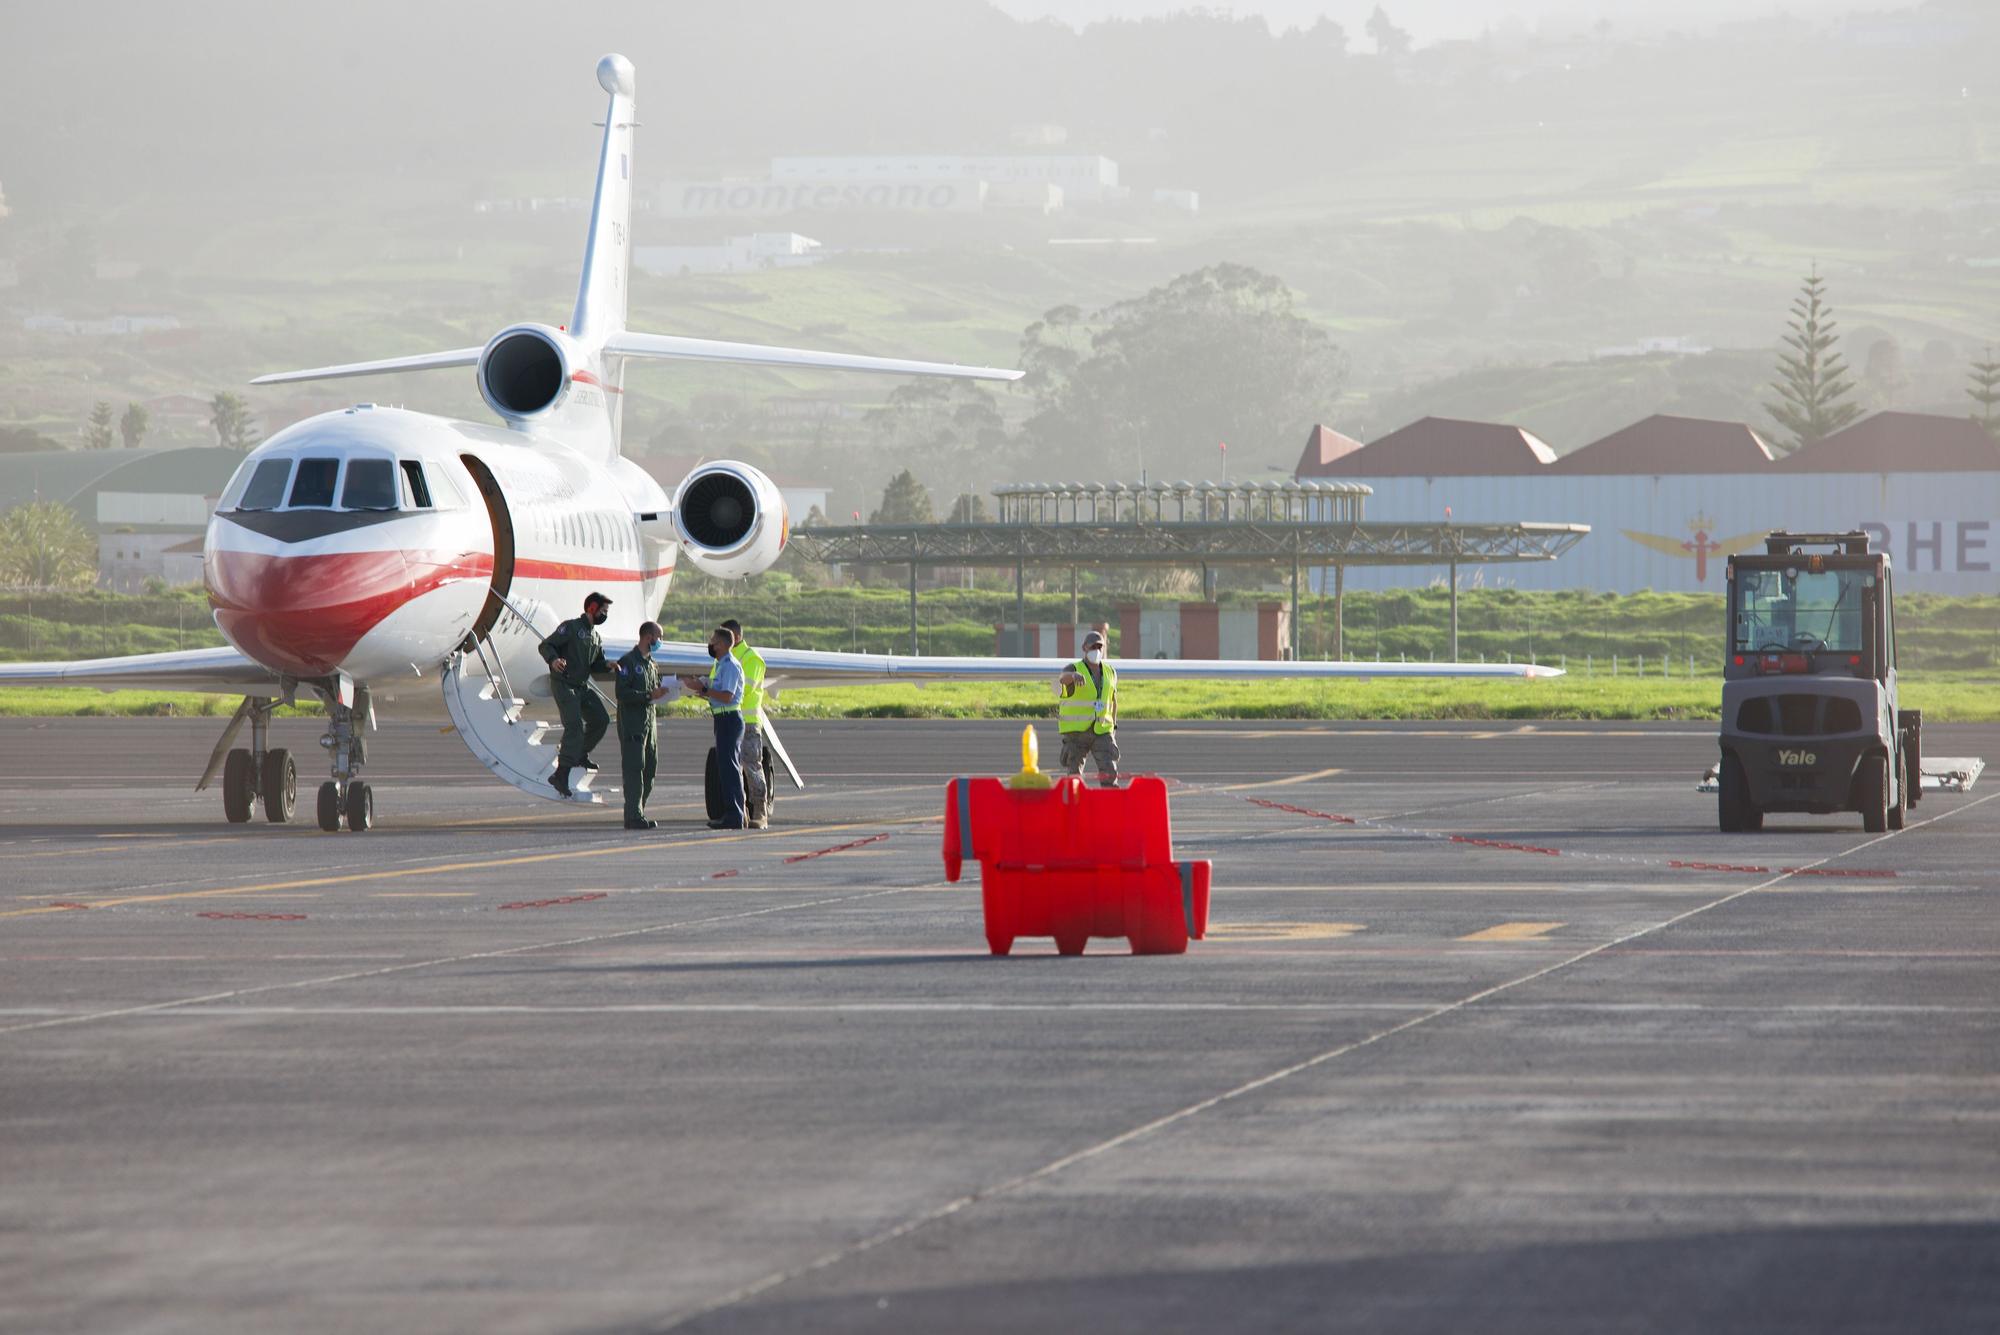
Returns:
point(607, 250)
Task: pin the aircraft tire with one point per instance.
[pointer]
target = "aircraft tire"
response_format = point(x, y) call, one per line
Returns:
point(329, 807)
point(239, 795)
point(360, 807)
point(281, 786)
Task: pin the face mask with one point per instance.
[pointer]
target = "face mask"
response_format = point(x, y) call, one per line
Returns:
point(1093, 656)
point(599, 617)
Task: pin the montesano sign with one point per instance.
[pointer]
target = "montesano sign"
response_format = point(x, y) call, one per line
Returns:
point(694, 199)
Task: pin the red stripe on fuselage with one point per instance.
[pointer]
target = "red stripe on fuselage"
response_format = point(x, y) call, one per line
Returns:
point(527, 568)
point(304, 614)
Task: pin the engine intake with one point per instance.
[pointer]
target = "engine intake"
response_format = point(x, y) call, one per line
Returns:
point(524, 371)
point(731, 520)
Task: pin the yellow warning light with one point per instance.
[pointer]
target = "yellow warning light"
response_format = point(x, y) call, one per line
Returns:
point(1030, 776)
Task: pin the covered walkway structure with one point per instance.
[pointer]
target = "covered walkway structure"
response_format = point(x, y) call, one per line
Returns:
point(1189, 525)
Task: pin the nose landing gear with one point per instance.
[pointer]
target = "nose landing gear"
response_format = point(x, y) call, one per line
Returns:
point(345, 796)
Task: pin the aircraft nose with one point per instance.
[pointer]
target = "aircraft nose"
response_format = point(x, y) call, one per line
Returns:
point(302, 614)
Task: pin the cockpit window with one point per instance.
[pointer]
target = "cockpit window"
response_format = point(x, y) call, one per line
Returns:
point(266, 489)
point(416, 492)
point(370, 485)
point(313, 487)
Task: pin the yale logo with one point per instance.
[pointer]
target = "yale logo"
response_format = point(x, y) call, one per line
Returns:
point(1797, 758)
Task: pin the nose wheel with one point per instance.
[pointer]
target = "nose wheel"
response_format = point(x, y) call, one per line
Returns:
point(355, 807)
point(345, 799)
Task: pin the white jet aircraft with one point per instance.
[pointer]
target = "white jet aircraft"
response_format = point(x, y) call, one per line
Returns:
point(360, 553)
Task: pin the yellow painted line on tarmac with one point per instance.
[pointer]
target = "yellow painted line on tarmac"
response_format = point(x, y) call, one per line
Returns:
point(1282, 931)
point(1280, 783)
point(157, 841)
point(634, 849)
point(1513, 931)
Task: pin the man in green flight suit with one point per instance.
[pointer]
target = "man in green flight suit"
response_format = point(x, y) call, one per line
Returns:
point(756, 794)
point(638, 738)
point(573, 653)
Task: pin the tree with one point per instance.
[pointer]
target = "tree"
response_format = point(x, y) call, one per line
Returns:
point(969, 507)
point(230, 415)
point(132, 426)
point(98, 434)
point(904, 501)
point(949, 430)
point(1884, 373)
point(1389, 40)
point(43, 545)
point(1218, 354)
point(1813, 383)
point(1985, 392)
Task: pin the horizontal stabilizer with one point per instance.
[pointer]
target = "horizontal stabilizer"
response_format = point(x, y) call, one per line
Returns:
point(427, 361)
point(668, 347)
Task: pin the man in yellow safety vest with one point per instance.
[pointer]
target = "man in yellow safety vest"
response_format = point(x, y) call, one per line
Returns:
point(756, 793)
point(1089, 712)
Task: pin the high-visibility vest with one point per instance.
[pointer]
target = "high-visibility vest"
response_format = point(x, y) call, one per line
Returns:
point(752, 664)
point(1087, 708)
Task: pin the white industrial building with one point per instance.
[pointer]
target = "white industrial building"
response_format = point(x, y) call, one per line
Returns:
point(1668, 498)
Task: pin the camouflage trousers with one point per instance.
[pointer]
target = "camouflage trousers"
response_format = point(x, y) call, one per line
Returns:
point(1101, 747)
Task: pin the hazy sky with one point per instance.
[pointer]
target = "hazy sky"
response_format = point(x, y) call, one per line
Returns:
point(1430, 20)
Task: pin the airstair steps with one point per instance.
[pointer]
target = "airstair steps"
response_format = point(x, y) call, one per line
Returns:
point(492, 722)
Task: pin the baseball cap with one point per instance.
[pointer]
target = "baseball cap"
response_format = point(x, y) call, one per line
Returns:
point(1094, 637)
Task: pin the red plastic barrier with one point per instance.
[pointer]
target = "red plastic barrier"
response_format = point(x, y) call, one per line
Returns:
point(1072, 862)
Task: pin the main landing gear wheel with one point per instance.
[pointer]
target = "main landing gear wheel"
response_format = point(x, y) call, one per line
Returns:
point(360, 807)
point(280, 786)
point(329, 807)
point(239, 786)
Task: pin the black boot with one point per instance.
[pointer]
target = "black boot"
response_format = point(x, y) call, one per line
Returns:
point(642, 824)
point(560, 780)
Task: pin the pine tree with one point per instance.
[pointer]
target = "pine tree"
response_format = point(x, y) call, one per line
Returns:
point(1985, 392)
point(969, 508)
point(99, 435)
point(132, 426)
point(904, 501)
point(1813, 382)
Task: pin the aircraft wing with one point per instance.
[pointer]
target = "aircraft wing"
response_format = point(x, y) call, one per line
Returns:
point(792, 668)
point(216, 671)
point(671, 347)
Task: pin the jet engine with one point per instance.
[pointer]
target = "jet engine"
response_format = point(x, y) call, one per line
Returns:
point(731, 520)
point(525, 370)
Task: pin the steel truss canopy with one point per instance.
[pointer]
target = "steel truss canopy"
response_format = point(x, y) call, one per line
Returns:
point(1304, 522)
point(1128, 543)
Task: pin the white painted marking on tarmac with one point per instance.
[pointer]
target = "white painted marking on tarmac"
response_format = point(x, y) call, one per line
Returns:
point(1055, 1166)
point(182, 1002)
